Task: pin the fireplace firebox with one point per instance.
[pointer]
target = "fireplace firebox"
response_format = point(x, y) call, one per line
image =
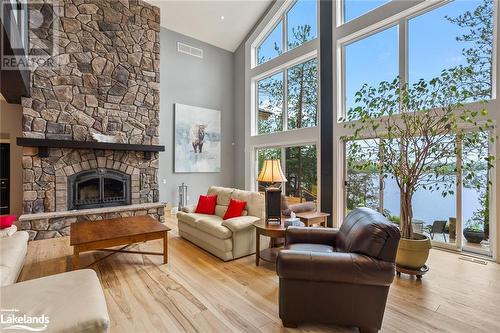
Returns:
point(98, 188)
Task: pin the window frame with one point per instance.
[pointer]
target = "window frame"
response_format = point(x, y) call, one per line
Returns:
point(458, 188)
point(401, 20)
point(341, 12)
point(253, 73)
point(283, 161)
point(400, 12)
point(280, 16)
point(284, 109)
point(271, 30)
point(342, 51)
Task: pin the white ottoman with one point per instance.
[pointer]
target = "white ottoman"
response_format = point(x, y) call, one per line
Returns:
point(70, 302)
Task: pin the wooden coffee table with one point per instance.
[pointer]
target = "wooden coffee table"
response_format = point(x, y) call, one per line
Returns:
point(100, 235)
point(313, 218)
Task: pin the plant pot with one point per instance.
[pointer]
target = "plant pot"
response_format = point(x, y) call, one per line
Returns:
point(413, 253)
point(473, 236)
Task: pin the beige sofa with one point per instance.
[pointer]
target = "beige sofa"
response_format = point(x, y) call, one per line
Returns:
point(227, 239)
point(13, 251)
point(72, 301)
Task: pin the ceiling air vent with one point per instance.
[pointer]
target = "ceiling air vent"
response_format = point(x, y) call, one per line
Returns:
point(191, 50)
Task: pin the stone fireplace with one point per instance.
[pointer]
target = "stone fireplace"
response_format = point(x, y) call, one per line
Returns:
point(99, 187)
point(100, 84)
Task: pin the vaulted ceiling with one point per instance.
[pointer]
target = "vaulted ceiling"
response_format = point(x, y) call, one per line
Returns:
point(221, 23)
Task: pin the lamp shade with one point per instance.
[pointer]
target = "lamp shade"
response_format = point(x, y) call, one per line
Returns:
point(271, 172)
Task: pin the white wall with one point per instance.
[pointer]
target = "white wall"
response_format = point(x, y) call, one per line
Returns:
point(208, 83)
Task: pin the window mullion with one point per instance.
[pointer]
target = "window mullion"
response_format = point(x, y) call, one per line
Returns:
point(342, 90)
point(381, 176)
point(284, 32)
point(458, 189)
point(285, 100)
point(403, 50)
point(256, 109)
point(283, 167)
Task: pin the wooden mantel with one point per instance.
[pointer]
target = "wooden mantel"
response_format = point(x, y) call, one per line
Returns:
point(44, 145)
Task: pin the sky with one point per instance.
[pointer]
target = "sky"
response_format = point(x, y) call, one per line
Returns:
point(432, 44)
point(303, 12)
point(431, 41)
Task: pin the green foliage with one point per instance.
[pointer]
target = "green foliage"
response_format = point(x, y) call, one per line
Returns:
point(301, 171)
point(271, 90)
point(478, 53)
point(302, 95)
point(302, 100)
point(361, 190)
point(393, 218)
point(418, 127)
point(475, 226)
point(477, 163)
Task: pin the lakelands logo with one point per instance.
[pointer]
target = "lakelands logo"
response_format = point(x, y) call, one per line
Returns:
point(12, 319)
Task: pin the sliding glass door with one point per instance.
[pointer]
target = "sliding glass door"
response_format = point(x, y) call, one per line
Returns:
point(452, 208)
point(475, 194)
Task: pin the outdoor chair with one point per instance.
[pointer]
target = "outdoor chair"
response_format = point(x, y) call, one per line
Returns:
point(438, 227)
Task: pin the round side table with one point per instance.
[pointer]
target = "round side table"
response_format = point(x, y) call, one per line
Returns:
point(274, 231)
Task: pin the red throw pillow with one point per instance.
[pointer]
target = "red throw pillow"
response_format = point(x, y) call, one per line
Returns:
point(234, 209)
point(206, 204)
point(6, 221)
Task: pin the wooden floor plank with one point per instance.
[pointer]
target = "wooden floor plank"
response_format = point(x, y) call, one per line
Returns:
point(197, 292)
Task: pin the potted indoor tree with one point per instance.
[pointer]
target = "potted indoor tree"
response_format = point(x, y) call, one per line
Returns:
point(419, 130)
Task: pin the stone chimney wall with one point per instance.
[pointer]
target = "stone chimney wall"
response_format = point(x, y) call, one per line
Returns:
point(101, 82)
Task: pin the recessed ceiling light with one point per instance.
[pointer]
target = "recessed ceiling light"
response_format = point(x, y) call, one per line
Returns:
point(222, 18)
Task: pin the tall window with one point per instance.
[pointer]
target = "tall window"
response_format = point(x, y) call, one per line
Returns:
point(443, 53)
point(284, 97)
point(301, 94)
point(369, 61)
point(434, 203)
point(458, 37)
point(272, 46)
point(270, 104)
point(301, 22)
point(362, 179)
point(302, 90)
point(301, 173)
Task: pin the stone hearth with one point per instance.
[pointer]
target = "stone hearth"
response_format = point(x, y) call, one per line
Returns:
point(57, 224)
point(101, 80)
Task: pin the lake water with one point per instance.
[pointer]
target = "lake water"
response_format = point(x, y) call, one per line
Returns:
point(430, 206)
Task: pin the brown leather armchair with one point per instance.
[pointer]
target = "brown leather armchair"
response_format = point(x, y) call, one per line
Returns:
point(338, 276)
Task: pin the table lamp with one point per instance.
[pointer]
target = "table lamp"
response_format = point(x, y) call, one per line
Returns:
point(271, 173)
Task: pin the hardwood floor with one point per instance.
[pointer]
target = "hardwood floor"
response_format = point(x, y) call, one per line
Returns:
point(196, 292)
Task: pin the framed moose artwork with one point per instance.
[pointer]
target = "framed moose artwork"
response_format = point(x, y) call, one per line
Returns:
point(197, 139)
